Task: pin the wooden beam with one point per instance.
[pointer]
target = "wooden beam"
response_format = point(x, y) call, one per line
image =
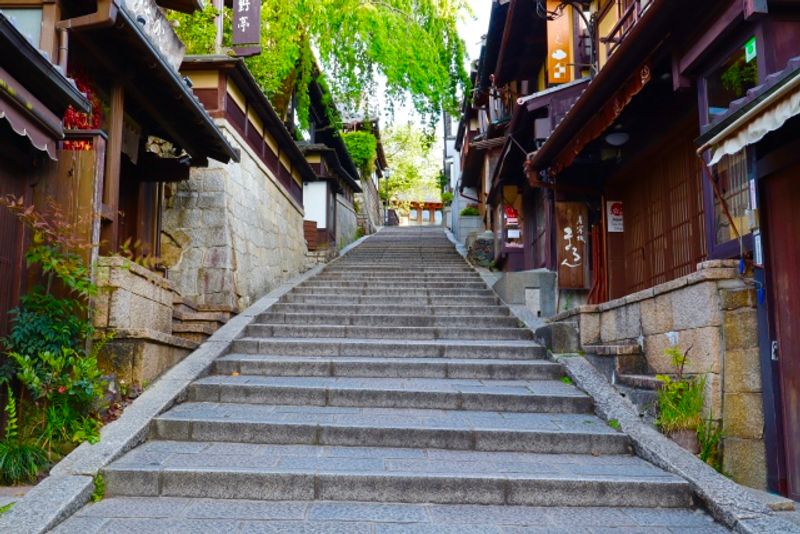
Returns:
point(113, 164)
point(754, 9)
point(721, 25)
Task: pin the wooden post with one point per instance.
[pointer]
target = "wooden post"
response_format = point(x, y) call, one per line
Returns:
point(110, 211)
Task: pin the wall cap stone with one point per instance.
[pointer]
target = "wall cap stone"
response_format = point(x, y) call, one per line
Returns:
point(119, 262)
point(706, 273)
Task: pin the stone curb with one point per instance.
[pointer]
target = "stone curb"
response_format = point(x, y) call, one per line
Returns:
point(727, 501)
point(70, 483)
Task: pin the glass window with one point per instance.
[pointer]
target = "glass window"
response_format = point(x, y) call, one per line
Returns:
point(733, 182)
point(27, 20)
point(732, 79)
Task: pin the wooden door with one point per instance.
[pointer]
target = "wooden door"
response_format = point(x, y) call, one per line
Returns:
point(783, 265)
point(11, 251)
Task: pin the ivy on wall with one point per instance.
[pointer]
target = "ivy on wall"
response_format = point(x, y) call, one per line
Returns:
point(363, 148)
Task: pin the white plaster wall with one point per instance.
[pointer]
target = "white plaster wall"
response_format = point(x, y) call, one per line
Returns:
point(315, 202)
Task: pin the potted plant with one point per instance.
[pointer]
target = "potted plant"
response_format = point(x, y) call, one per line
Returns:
point(680, 403)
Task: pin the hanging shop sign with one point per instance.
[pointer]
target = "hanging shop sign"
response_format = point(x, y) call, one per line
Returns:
point(572, 245)
point(614, 217)
point(246, 27)
point(560, 57)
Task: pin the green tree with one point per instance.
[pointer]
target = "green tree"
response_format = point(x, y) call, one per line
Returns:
point(410, 45)
point(363, 148)
point(415, 164)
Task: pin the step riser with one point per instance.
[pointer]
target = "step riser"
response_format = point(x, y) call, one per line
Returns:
point(383, 292)
point(400, 279)
point(366, 398)
point(343, 436)
point(360, 332)
point(388, 320)
point(366, 309)
point(433, 369)
point(288, 348)
point(388, 301)
point(321, 284)
point(396, 488)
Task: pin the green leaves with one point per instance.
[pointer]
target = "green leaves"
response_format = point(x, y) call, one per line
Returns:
point(411, 47)
point(363, 148)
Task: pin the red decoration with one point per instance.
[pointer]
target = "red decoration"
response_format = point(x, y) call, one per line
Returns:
point(77, 120)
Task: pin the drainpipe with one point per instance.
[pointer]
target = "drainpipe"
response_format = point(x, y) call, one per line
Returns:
point(105, 16)
point(63, 49)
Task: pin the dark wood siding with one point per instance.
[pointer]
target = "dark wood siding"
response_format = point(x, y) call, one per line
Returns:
point(664, 234)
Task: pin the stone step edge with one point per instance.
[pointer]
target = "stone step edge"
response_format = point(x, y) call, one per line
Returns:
point(383, 487)
point(508, 439)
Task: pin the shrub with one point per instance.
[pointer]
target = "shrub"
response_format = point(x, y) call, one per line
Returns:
point(680, 400)
point(51, 346)
point(447, 198)
point(20, 461)
point(709, 436)
point(470, 211)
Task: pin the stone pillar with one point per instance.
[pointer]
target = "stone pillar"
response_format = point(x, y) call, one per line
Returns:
point(742, 402)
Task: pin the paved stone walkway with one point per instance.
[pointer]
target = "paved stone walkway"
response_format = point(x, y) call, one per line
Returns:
point(392, 393)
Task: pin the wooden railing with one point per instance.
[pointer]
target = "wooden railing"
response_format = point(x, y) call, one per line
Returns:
point(630, 11)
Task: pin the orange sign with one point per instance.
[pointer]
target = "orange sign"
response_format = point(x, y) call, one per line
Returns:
point(560, 53)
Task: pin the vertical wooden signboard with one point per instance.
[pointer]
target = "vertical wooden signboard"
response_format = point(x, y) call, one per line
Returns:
point(246, 27)
point(560, 53)
point(572, 245)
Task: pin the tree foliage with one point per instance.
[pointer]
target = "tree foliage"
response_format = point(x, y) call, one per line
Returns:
point(363, 148)
point(414, 162)
point(411, 45)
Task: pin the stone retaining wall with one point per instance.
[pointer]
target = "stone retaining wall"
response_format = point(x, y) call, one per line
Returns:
point(232, 233)
point(713, 311)
point(135, 305)
point(346, 222)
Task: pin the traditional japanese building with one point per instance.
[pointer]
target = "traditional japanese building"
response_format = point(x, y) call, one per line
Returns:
point(369, 207)
point(665, 175)
point(34, 95)
point(143, 129)
point(234, 231)
point(329, 197)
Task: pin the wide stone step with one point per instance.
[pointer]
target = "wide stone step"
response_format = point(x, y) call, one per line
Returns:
point(389, 268)
point(181, 514)
point(388, 320)
point(378, 427)
point(361, 285)
point(306, 472)
point(385, 332)
point(399, 277)
point(255, 364)
point(436, 310)
point(387, 300)
point(513, 350)
point(403, 292)
point(543, 396)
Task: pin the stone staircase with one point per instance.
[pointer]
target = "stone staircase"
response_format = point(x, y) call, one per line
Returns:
point(197, 323)
point(392, 380)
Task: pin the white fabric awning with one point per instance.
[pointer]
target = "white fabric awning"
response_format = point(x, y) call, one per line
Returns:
point(767, 116)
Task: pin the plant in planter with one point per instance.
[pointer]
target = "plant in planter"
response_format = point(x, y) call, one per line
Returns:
point(680, 402)
point(470, 211)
